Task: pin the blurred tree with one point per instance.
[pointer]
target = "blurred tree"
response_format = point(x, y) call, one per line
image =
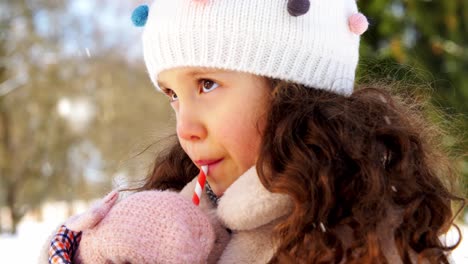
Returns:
point(21, 49)
point(72, 104)
point(431, 39)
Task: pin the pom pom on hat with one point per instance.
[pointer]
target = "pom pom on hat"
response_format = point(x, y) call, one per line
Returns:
point(298, 7)
point(358, 23)
point(140, 15)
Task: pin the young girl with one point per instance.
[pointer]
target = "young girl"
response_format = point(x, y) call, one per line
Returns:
point(303, 167)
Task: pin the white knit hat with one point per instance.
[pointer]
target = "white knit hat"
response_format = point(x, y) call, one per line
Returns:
point(315, 43)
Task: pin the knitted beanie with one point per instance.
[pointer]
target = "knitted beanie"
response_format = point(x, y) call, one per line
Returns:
point(310, 42)
point(149, 227)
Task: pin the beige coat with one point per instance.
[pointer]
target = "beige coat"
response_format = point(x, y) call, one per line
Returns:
point(250, 211)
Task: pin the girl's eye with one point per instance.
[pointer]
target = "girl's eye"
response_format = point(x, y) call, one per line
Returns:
point(172, 96)
point(208, 85)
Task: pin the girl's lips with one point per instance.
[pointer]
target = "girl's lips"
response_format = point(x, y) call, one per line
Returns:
point(207, 162)
point(212, 165)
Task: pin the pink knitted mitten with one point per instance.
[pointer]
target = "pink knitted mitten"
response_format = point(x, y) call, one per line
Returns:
point(149, 227)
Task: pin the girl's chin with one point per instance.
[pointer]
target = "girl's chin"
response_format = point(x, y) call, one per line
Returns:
point(219, 192)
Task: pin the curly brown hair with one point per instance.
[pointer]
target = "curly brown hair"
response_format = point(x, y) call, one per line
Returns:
point(361, 170)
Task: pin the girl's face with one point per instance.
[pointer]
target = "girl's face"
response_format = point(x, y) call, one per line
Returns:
point(220, 118)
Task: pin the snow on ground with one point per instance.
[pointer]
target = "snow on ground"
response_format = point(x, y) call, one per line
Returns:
point(24, 247)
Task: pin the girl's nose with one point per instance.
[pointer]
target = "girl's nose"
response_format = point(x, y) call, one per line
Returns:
point(190, 125)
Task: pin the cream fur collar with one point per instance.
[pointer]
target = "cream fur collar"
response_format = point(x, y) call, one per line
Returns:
point(246, 204)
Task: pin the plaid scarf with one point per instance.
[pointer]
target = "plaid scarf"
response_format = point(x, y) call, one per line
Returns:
point(211, 195)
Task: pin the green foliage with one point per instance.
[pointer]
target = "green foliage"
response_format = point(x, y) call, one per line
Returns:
point(431, 39)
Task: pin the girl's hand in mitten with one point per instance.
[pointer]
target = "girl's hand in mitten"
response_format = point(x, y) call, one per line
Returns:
point(65, 242)
point(149, 227)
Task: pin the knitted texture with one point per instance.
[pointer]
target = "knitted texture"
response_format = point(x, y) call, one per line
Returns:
point(261, 37)
point(149, 227)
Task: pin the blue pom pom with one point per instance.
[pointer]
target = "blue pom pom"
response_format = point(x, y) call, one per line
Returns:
point(140, 15)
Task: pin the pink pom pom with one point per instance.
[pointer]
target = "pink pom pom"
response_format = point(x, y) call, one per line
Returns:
point(201, 1)
point(358, 24)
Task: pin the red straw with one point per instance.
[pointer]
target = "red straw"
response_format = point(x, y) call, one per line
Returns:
point(200, 185)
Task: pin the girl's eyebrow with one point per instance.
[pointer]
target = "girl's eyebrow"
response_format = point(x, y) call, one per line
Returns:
point(193, 73)
point(161, 84)
point(197, 72)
